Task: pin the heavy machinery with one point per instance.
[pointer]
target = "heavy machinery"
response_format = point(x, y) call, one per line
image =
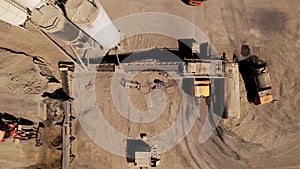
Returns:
point(257, 80)
point(263, 83)
point(201, 87)
point(130, 84)
point(140, 154)
point(197, 2)
point(18, 129)
point(83, 25)
point(203, 71)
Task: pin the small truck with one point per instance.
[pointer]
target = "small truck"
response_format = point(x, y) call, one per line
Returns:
point(263, 84)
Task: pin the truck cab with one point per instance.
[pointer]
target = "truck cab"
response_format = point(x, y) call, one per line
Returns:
point(263, 83)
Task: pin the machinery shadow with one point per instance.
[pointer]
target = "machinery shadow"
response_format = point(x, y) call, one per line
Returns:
point(185, 2)
point(58, 94)
point(216, 102)
point(187, 86)
point(135, 145)
point(246, 70)
point(186, 46)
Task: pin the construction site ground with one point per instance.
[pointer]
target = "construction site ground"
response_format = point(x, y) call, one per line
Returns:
point(265, 136)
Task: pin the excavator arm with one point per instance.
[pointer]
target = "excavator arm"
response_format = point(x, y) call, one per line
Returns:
point(197, 2)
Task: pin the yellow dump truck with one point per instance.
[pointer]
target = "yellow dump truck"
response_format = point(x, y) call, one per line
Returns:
point(263, 83)
point(201, 87)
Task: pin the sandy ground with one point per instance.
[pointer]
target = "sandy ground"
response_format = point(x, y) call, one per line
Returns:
point(265, 136)
point(21, 89)
point(139, 101)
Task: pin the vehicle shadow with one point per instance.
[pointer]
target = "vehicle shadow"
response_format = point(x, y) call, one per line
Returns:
point(135, 145)
point(58, 94)
point(246, 70)
point(188, 86)
point(185, 2)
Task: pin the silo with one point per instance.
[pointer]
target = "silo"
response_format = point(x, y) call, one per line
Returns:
point(50, 19)
point(12, 13)
point(92, 19)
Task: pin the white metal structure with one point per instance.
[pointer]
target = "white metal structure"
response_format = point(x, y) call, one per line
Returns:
point(12, 13)
point(32, 4)
point(103, 30)
point(94, 21)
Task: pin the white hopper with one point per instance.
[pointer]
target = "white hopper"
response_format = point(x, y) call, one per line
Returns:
point(12, 13)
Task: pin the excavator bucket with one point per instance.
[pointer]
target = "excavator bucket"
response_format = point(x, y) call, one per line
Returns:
point(197, 2)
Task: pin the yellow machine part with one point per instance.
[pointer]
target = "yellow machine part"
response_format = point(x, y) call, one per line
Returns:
point(201, 91)
point(201, 82)
point(266, 99)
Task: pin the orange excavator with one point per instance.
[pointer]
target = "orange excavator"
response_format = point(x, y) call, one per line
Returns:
point(18, 129)
point(197, 2)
